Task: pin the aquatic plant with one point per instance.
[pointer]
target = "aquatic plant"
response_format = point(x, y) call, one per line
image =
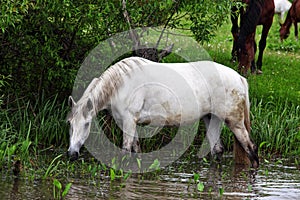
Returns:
point(52, 167)
point(58, 191)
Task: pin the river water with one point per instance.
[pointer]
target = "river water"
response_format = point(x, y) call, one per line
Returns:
point(275, 179)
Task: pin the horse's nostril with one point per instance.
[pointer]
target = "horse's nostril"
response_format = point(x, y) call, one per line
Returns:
point(73, 155)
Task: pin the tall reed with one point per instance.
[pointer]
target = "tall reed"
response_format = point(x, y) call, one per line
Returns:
point(29, 127)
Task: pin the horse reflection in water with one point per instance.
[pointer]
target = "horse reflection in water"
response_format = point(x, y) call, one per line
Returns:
point(139, 91)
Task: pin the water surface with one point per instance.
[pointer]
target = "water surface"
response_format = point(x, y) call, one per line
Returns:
point(276, 179)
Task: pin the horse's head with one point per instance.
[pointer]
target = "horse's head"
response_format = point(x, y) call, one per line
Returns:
point(246, 55)
point(80, 119)
point(284, 32)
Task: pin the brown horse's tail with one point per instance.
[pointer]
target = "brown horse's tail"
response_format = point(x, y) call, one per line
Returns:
point(241, 157)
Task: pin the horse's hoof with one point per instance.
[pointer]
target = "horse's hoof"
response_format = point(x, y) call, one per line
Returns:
point(259, 72)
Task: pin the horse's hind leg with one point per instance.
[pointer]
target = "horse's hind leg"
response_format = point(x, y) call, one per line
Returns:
point(242, 136)
point(213, 127)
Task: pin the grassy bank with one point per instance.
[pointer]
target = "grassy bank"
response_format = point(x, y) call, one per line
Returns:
point(280, 79)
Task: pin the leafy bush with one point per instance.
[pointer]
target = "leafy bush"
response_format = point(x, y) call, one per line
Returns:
point(44, 42)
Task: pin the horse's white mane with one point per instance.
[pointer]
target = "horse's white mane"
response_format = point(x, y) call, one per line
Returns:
point(101, 89)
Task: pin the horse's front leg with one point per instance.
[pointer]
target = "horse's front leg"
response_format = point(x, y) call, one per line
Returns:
point(253, 66)
point(129, 133)
point(234, 32)
point(262, 44)
point(296, 30)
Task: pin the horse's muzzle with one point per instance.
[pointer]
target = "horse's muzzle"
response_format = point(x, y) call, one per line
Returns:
point(73, 155)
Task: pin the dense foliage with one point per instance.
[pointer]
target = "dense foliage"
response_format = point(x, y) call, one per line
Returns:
point(44, 42)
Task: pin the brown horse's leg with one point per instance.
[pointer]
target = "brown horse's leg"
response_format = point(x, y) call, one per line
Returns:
point(234, 31)
point(296, 30)
point(262, 43)
point(253, 66)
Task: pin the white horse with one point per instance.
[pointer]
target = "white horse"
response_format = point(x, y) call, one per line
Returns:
point(139, 91)
point(282, 6)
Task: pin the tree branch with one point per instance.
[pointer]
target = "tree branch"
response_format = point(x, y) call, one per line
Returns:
point(132, 33)
point(169, 19)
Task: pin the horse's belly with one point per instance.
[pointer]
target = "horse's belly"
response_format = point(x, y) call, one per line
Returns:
point(161, 121)
point(166, 114)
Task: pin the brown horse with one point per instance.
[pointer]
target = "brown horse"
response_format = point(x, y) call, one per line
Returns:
point(258, 12)
point(293, 16)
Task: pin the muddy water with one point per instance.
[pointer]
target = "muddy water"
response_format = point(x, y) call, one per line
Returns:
point(276, 179)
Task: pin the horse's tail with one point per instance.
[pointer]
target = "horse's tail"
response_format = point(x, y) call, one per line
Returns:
point(247, 107)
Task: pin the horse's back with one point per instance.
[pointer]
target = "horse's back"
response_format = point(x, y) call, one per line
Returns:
point(202, 73)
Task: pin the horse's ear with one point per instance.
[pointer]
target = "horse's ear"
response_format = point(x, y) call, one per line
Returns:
point(71, 102)
point(89, 105)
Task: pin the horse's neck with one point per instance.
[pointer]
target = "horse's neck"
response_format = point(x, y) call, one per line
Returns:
point(99, 98)
point(104, 88)
point(94, 94)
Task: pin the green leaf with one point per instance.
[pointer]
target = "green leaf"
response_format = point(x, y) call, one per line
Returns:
point(249, 187)
point(112, 174)
point(262, 144)
point(57, 184)
point(196, 177)
point(221, 191)
point(138, 162)
point(200, 186)
point(127, 175)
point(12, 150)
point(66, 190)
point(155, 165)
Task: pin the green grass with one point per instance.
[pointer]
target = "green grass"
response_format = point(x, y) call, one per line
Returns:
point(281, 69)
point(276, 126)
